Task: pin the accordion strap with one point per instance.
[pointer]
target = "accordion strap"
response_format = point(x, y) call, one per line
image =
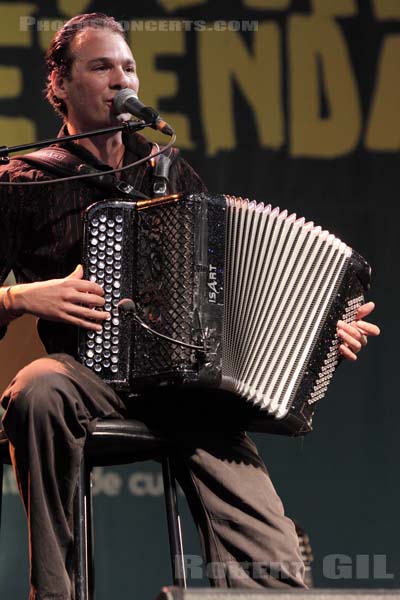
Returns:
point(64, 163)
point(55, 160)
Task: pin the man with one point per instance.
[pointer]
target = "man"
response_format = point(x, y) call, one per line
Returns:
point(52, 404)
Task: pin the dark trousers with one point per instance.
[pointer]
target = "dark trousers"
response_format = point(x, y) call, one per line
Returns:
point(52, 405)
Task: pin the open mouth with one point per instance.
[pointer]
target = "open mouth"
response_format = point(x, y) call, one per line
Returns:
point(110, 104)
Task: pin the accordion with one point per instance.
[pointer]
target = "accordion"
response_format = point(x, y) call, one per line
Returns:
point(215, 291)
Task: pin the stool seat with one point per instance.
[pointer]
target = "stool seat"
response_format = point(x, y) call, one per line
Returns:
point(113, 442)
point(123, 441)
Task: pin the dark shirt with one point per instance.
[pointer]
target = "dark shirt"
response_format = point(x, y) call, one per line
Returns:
point(41, 226)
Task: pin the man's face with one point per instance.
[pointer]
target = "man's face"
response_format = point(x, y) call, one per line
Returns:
point(102, 65)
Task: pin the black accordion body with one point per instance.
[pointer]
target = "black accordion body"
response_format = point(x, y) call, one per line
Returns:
point(220, 292)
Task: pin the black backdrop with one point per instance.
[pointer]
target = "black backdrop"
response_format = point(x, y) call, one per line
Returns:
point(295, 103)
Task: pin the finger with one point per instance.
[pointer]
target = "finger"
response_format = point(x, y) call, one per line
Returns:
point(77, 273)
point(89, 325)
point(347, 353)
point(364, 327)
point(88, 299)
point(368, 328)
point(364, 310)
point(87, 313)
point(87, 287)
point(352, 330)
point(353, 343)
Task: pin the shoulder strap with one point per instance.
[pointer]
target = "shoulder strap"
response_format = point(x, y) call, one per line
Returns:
point(54, 159)
point(61, 161)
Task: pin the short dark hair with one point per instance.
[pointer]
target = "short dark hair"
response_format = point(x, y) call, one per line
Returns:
point(59, 57)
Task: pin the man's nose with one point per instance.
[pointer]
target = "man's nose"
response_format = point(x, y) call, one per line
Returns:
point(119, 78)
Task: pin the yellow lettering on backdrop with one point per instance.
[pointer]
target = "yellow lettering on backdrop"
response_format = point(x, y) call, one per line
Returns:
point(10, 82)
point(73, 7)
point(16, 130)
point(16, 22)
point(386, 9)
point(382, 132)
point(267, 4)
point(223, 59)
point(332, 8)
point(317, 41)
point(155, 84)
point(170, 5)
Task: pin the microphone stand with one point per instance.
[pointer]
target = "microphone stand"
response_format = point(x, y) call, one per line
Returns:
point(129, 126)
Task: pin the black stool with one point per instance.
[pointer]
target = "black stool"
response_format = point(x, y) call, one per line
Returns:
point(115, 442)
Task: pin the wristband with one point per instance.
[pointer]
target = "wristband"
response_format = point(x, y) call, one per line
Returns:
point(6, 292)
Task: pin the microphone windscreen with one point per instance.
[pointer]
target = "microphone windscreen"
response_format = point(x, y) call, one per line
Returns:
point(121, 97)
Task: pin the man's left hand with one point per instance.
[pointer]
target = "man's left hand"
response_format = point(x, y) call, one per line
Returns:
point(355, 335)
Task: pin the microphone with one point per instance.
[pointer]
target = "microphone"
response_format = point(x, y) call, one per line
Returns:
point(126, 306)
point(127, 101)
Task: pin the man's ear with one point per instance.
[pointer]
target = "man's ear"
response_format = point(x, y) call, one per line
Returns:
point(58, 85)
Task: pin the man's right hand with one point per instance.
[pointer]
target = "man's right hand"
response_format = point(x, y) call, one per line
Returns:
point(69, 300)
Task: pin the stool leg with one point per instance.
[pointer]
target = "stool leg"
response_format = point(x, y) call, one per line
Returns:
point(90, 532)
point(81, 537)
point(174, 526)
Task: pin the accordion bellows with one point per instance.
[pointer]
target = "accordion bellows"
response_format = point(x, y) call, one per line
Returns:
point(227, 293)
